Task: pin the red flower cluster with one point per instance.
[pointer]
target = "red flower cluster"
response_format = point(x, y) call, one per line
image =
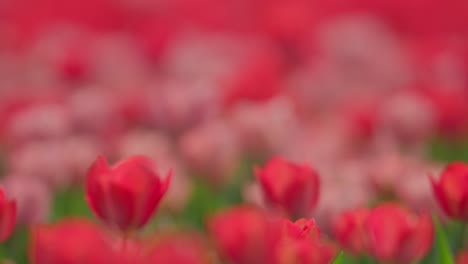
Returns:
point(388, 232)
point(246, 235)
point(75, 241)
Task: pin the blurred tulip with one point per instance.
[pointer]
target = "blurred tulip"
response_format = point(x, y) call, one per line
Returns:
point(451, 190)
point(408, 117)
point(305, 252)
point(71, 241)
point(32, 196)
point(396, 235)
point(243, 235)
point(42, 121)
point(349, 230)
point(343, 187)
point(52, 161)
point(257, 79)
point(180, 103)
point(260, 124)
point(301, 244)
point(292, 187)
point(180, 249)
point(93, 110)
point(7, 216)
point(302, 229)
point(126, 195)
point(212, 150)
point(462, 257)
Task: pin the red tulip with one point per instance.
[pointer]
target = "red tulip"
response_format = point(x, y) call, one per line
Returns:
point(70, 242)
point(301, 244)
point(126, 195)
point(462, 257)
point(293, 188)
point(180, 249)
point(7, 216)
point(397, 236)
point(244, 235)
point(305, 252)
point(302, 229)
point(452, 190)
point(349, 230)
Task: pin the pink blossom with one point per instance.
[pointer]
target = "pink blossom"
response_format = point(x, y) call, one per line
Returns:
point(32, 196)
point(212, 150)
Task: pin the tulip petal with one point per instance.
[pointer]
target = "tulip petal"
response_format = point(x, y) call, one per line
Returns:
point(156, 192)
point(8, 219)
point(121, 206)
point(96, 181)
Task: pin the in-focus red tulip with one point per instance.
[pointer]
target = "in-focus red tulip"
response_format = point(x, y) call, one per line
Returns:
point(301, 244)
point(395, 235)
point(451, 190)
point(126, 195)
point(72, 241)
point(180, 249)
point(244, 235)
point(302, 229)
point(291, 187)
point(349, 230)
point(7, 216)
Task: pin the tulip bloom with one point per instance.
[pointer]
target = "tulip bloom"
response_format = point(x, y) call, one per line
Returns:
point(349, 230)
point(126, 195)
point(7, 216)
point(300, 243)
point(451, 190)
point(179, 249)
point(397, 236)
point(462, 257)
point(293, 188)
point(70, 242)
point(243, 235)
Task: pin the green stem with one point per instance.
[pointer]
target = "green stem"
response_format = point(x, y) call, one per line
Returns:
point(463, 236)
point(2, 252)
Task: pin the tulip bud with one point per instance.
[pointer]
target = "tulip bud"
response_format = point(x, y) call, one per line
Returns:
point(397, 236)
point(452, 190)
point(70, 242)
point(291, 187)
point(349, 230)
point(7, 216)
point(243, 235)
point(126, 195)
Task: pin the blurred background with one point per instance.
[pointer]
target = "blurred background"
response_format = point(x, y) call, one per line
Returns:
point(371, 93)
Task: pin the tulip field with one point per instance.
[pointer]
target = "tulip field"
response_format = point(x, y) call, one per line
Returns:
point(233, 132)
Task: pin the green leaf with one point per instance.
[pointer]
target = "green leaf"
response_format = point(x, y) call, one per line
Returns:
point(339, 258)
point(70, 202)
point(203, 202)
point(444, 254)
point(17, 246)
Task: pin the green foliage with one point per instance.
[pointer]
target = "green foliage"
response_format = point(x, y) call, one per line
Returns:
point(16, 248)
point(443, 251)
point(70, 202)
point(446, 150)
point(339, 259)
